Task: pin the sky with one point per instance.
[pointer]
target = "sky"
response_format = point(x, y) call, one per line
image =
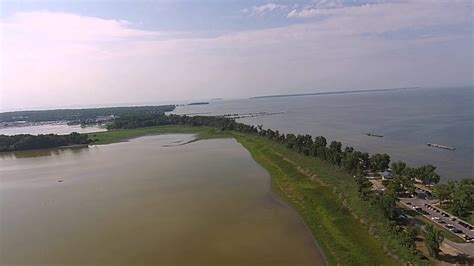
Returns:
point(93, 53)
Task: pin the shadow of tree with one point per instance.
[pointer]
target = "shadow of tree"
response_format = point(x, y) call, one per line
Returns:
point(458, 259)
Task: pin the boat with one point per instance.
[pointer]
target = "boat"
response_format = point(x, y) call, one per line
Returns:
point(373, 135)
point(198, 103)
point(440, 146)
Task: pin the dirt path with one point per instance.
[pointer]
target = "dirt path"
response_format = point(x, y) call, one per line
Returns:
point(300, 169)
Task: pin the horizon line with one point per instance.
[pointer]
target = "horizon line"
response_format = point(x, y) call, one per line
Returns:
point(332, 92)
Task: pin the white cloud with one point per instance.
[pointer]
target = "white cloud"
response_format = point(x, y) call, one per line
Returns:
point(391, 16)
point(263, 9)
point(311, 9)
point(59, 59)
point(397, 15)
point(52, 25)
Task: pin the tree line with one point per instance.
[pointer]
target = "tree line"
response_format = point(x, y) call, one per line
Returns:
point(457, 197)
point(32, 142)
point(81, 115)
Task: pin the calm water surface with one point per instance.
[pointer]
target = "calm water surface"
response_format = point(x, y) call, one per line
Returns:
point(139, 202)
point(60, 129)
point(407, 119)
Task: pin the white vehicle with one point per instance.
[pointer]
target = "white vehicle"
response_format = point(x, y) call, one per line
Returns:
point(435, 218)
point(449, 226)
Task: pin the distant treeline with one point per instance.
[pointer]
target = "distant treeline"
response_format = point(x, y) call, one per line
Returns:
point(81, 114)
point(329, 93)
point(32, 142)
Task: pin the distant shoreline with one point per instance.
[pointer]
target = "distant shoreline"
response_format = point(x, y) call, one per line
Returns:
point(329, 93)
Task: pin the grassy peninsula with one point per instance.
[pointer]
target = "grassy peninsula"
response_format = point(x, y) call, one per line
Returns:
point(344, 240)
point(325, 196)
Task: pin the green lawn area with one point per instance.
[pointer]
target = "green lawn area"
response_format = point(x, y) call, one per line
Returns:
point(343, 239)
point(343, 185)
point(324, 206)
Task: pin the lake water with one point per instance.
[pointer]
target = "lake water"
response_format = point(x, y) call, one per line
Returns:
point(55, 128)
point(139, 202)
point(408, 119)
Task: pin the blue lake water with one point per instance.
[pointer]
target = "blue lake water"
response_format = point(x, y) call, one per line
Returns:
point(407, 119)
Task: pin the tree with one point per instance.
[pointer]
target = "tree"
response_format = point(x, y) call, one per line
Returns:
point(427, 174)
point(364, 187)
point(445, 192)
point(335, 146)
point(320, 142)
point(433, 240)
point(290, 141)
point(379, 161)
point(403, 179)
point(386, 203)
point(463, 198)
point(398, 168)
point(409, 237)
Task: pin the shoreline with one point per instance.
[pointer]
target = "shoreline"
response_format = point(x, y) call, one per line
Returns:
point(276, 197)
point(319, 208)
point(75, 146)
point(336, 234)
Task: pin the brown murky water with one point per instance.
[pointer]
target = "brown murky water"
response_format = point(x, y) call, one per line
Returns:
point(137, 202)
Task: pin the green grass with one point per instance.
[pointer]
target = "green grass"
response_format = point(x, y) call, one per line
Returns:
point(470, 218)
point(343, 239)
point(344, 186)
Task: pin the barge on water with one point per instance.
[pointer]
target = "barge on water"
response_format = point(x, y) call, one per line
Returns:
point(373, 135)
point(440, 146)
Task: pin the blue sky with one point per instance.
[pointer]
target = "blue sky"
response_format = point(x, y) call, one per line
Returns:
point(195, 16)
point(56, 53)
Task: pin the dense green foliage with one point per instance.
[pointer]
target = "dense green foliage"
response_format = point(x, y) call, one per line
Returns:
point(457, 196)
point(31, 142)
point(403, 179)
point(82, 115)
point(433, 240)
point(428, 175)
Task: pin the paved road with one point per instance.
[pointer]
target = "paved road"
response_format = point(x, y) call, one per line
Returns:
point(466, 248)
point(436, 213)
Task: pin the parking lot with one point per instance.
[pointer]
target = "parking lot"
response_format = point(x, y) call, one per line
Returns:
point(442, 218)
